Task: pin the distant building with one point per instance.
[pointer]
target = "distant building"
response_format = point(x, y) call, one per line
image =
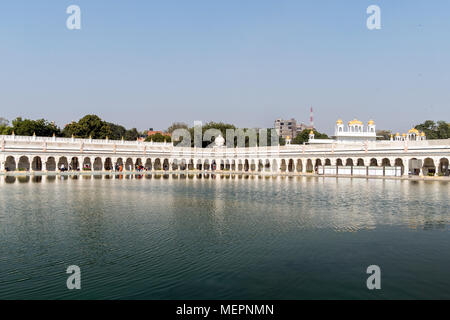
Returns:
point(288, 129)
point(152, 132)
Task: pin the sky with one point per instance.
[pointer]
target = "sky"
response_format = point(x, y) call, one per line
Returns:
point(147, 64)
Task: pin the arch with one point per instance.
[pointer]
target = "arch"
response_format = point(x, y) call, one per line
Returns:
point(10, 164)
point(267, 165)
point(428, 167)
point(36, 164)
point(299, 165)
point(443, 167)
point(24, 164)
point(119, 165)
point(148, 164)
point(64, 164)
point(283, 166)
point(360, 162)
point(275, 167)
point(349, 162)
point(157, 164)
point(166, 165)
point(414, 166)
point(373, 162)
point(399, 163)
point(309, 166)
point(129, 165)
point(291, 167)
point(261, 165)
point(98, 164)
point(233, 165)
point(199, 165)
point(339, 162)
point(87, 164)
point(385, 162)
point(206, 165)
point(246, 165)
point(108, 166)
point(175, 164)
point(252, 165)
point(138, 164)
point(50, 164)
point(327, 162)
point(318, 163)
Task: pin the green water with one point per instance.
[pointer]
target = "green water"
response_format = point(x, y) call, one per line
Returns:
point(227, 237)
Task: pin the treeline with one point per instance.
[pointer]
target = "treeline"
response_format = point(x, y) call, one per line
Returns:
point(88, 126)
point(433, 130)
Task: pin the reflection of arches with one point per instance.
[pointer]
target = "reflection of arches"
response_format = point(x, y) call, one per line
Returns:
point(309, 166)
point(327, 162)
point(291, 165)
point(108, 164)
point(339, 162)
point(349, 162)
point(50, 164)
point(36, 164)
point(385, 162)
point(299, 165)
point(24, 164)
point(443, 167)
point(10, 164)
point(428, 167)
point(360, 162)
point(373, 162)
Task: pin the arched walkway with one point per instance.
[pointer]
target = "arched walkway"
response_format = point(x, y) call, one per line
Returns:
point(360, 162)
point(129, 166)
point(50, 164)
point(443, 167)
point(428, 167)
point(98, 165)
point(87, 166)
point(24, 164)
point(299, 166)
point(349, 162)
point(373, 162)
point(10, 164)
point(291, 167)
point(157, 166)
point(36, 164)
point(339, 162)
point(385, 162)
point(309, 166)
point(108, 164)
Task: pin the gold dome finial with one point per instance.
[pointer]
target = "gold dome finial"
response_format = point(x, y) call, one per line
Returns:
point(339, 121)
point(371, 123)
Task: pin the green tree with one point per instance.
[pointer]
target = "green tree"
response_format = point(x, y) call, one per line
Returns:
point(4, 126)
point(41, 127)
point(117, 131)
point(88, 126)
point(132, 134)
point(439, 130)
point(303, 136)
point(158, 137)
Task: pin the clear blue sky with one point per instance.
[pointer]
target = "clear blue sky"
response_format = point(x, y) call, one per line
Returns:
point(148, 63)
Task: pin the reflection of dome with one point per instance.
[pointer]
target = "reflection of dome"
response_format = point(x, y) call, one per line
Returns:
point(339, 121)
point(355, 121)
point(219, 141)
point(371, 123)
point(414, 130)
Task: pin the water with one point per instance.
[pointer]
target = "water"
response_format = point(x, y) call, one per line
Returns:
point(227, 237)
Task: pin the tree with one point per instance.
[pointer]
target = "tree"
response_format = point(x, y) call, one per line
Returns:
point(4, 127)
point(441, 130)
point(117, 131)
point(303, 136)
point(132, 134)
point(158, 137)
point(177, 125)
point(41, 127)
point(384, 134)
point(88, 126)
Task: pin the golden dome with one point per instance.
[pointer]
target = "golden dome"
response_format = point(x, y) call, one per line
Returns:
point(422, 134)
point(339, 121)
point(355, 121)
point(397, 134)
point(311, 132)
point(404, 134)
point(371, 123)
point(414, 130)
